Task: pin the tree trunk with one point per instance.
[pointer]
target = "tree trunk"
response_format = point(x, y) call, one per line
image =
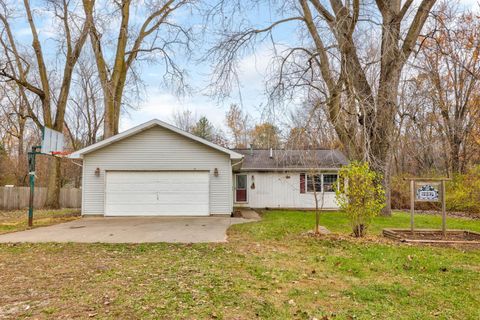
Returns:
point(109, 121)
point(317, 214)
point(455, 166)
point(21, 156)
point(386, 183)
point(53, 184)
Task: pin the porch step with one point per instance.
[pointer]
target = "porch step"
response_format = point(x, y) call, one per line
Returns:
point(247, 214)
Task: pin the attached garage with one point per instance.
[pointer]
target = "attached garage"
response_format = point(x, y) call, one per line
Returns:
point(156, 169)
point(157, 193)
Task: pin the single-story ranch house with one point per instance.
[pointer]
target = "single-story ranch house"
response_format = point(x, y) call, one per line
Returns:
point(156, 169)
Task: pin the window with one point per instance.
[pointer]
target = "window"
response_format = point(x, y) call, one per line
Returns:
point(314, 183)
point(319, 182)
point(329, 182)
point(241, 181)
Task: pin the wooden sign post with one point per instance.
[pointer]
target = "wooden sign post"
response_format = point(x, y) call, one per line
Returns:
point(427, 190)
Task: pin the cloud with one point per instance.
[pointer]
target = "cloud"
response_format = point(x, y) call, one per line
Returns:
point(162, 105)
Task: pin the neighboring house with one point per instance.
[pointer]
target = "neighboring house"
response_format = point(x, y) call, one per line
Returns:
point(156, 169)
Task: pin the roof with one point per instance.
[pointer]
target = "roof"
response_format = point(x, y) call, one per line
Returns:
point(291, 159)
point(145, 126)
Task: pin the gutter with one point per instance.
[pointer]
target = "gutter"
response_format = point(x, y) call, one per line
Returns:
point(288, 169)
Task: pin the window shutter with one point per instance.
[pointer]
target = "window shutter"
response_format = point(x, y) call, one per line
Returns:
point(302, 182)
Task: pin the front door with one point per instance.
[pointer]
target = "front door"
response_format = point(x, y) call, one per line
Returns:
point(241, 188)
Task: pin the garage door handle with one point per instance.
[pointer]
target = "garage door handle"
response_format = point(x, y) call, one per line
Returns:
point(158, 196)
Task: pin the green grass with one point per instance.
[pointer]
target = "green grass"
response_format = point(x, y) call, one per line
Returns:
point(16, 220)
point(268, 270)
point(277, 224)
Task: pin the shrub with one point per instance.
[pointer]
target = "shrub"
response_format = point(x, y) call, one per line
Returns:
point(463, 193)
point(360, 195)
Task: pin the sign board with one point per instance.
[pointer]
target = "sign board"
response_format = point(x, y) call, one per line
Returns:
point(431, 190)
point(52, 141)
point(427, 191)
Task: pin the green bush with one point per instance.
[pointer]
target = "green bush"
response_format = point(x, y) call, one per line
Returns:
point(462, 193)
point(360, 195)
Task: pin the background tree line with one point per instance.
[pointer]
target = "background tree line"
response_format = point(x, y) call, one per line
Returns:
point(393, 83)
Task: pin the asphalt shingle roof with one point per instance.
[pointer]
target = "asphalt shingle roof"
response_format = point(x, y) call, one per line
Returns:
point(292, 159)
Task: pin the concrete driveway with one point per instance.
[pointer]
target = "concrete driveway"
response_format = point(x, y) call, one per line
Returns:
point(130, 230)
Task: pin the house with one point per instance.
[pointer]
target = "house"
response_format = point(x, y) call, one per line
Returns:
point(156, 169)
point(287, 178)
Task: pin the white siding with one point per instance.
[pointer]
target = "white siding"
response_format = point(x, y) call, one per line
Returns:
point(275, 190)
point(157, 149)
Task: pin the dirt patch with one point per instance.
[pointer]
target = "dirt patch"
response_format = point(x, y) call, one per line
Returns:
point(432, 236)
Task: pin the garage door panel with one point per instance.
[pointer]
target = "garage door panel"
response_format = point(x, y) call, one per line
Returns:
point(164, 198)
point(155, 210)
point(166, 193)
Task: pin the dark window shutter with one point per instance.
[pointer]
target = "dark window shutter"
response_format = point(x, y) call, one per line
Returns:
point(302, 182)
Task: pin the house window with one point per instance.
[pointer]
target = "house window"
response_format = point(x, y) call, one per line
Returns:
point(314, 183)
point(319, 182)
point(329, 182)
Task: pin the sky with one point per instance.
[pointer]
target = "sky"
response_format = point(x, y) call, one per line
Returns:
point(161, 102)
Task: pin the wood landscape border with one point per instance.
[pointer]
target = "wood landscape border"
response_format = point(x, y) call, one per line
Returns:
point(396, 234)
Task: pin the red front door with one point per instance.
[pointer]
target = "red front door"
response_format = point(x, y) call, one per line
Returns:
point(241, 188)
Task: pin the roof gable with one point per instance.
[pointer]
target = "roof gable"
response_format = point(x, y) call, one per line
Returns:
point(145, 126)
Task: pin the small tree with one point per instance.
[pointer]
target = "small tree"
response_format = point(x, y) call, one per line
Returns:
point(360, 196)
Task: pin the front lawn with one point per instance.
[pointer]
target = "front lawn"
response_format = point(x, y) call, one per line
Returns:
point(277, 224)
point(268, 270)
point(16, 220)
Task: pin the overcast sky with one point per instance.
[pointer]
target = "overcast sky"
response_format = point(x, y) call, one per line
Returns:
point(160, 102)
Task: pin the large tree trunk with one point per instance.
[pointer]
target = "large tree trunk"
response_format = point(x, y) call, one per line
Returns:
point(109, 121)
point(455, 162)
point(53, 183)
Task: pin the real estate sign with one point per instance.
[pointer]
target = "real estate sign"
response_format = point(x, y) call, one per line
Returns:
point(427, 191)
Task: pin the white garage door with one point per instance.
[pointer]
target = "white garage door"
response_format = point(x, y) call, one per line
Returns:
point(157, 193)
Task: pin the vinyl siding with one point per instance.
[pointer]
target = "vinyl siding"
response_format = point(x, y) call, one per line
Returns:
point(157, 149)
point(275, 190)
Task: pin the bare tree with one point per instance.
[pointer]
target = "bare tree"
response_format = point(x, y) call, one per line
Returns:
point(308, 128)
point(13, 121)
point(85, 114)
point(315, 180)
point(358, 84)
point(449, 66)
point(418, 146)
point(265, 135)
point(239, 124)
point(72, 36)
point(184, 120)
point(158, 35)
